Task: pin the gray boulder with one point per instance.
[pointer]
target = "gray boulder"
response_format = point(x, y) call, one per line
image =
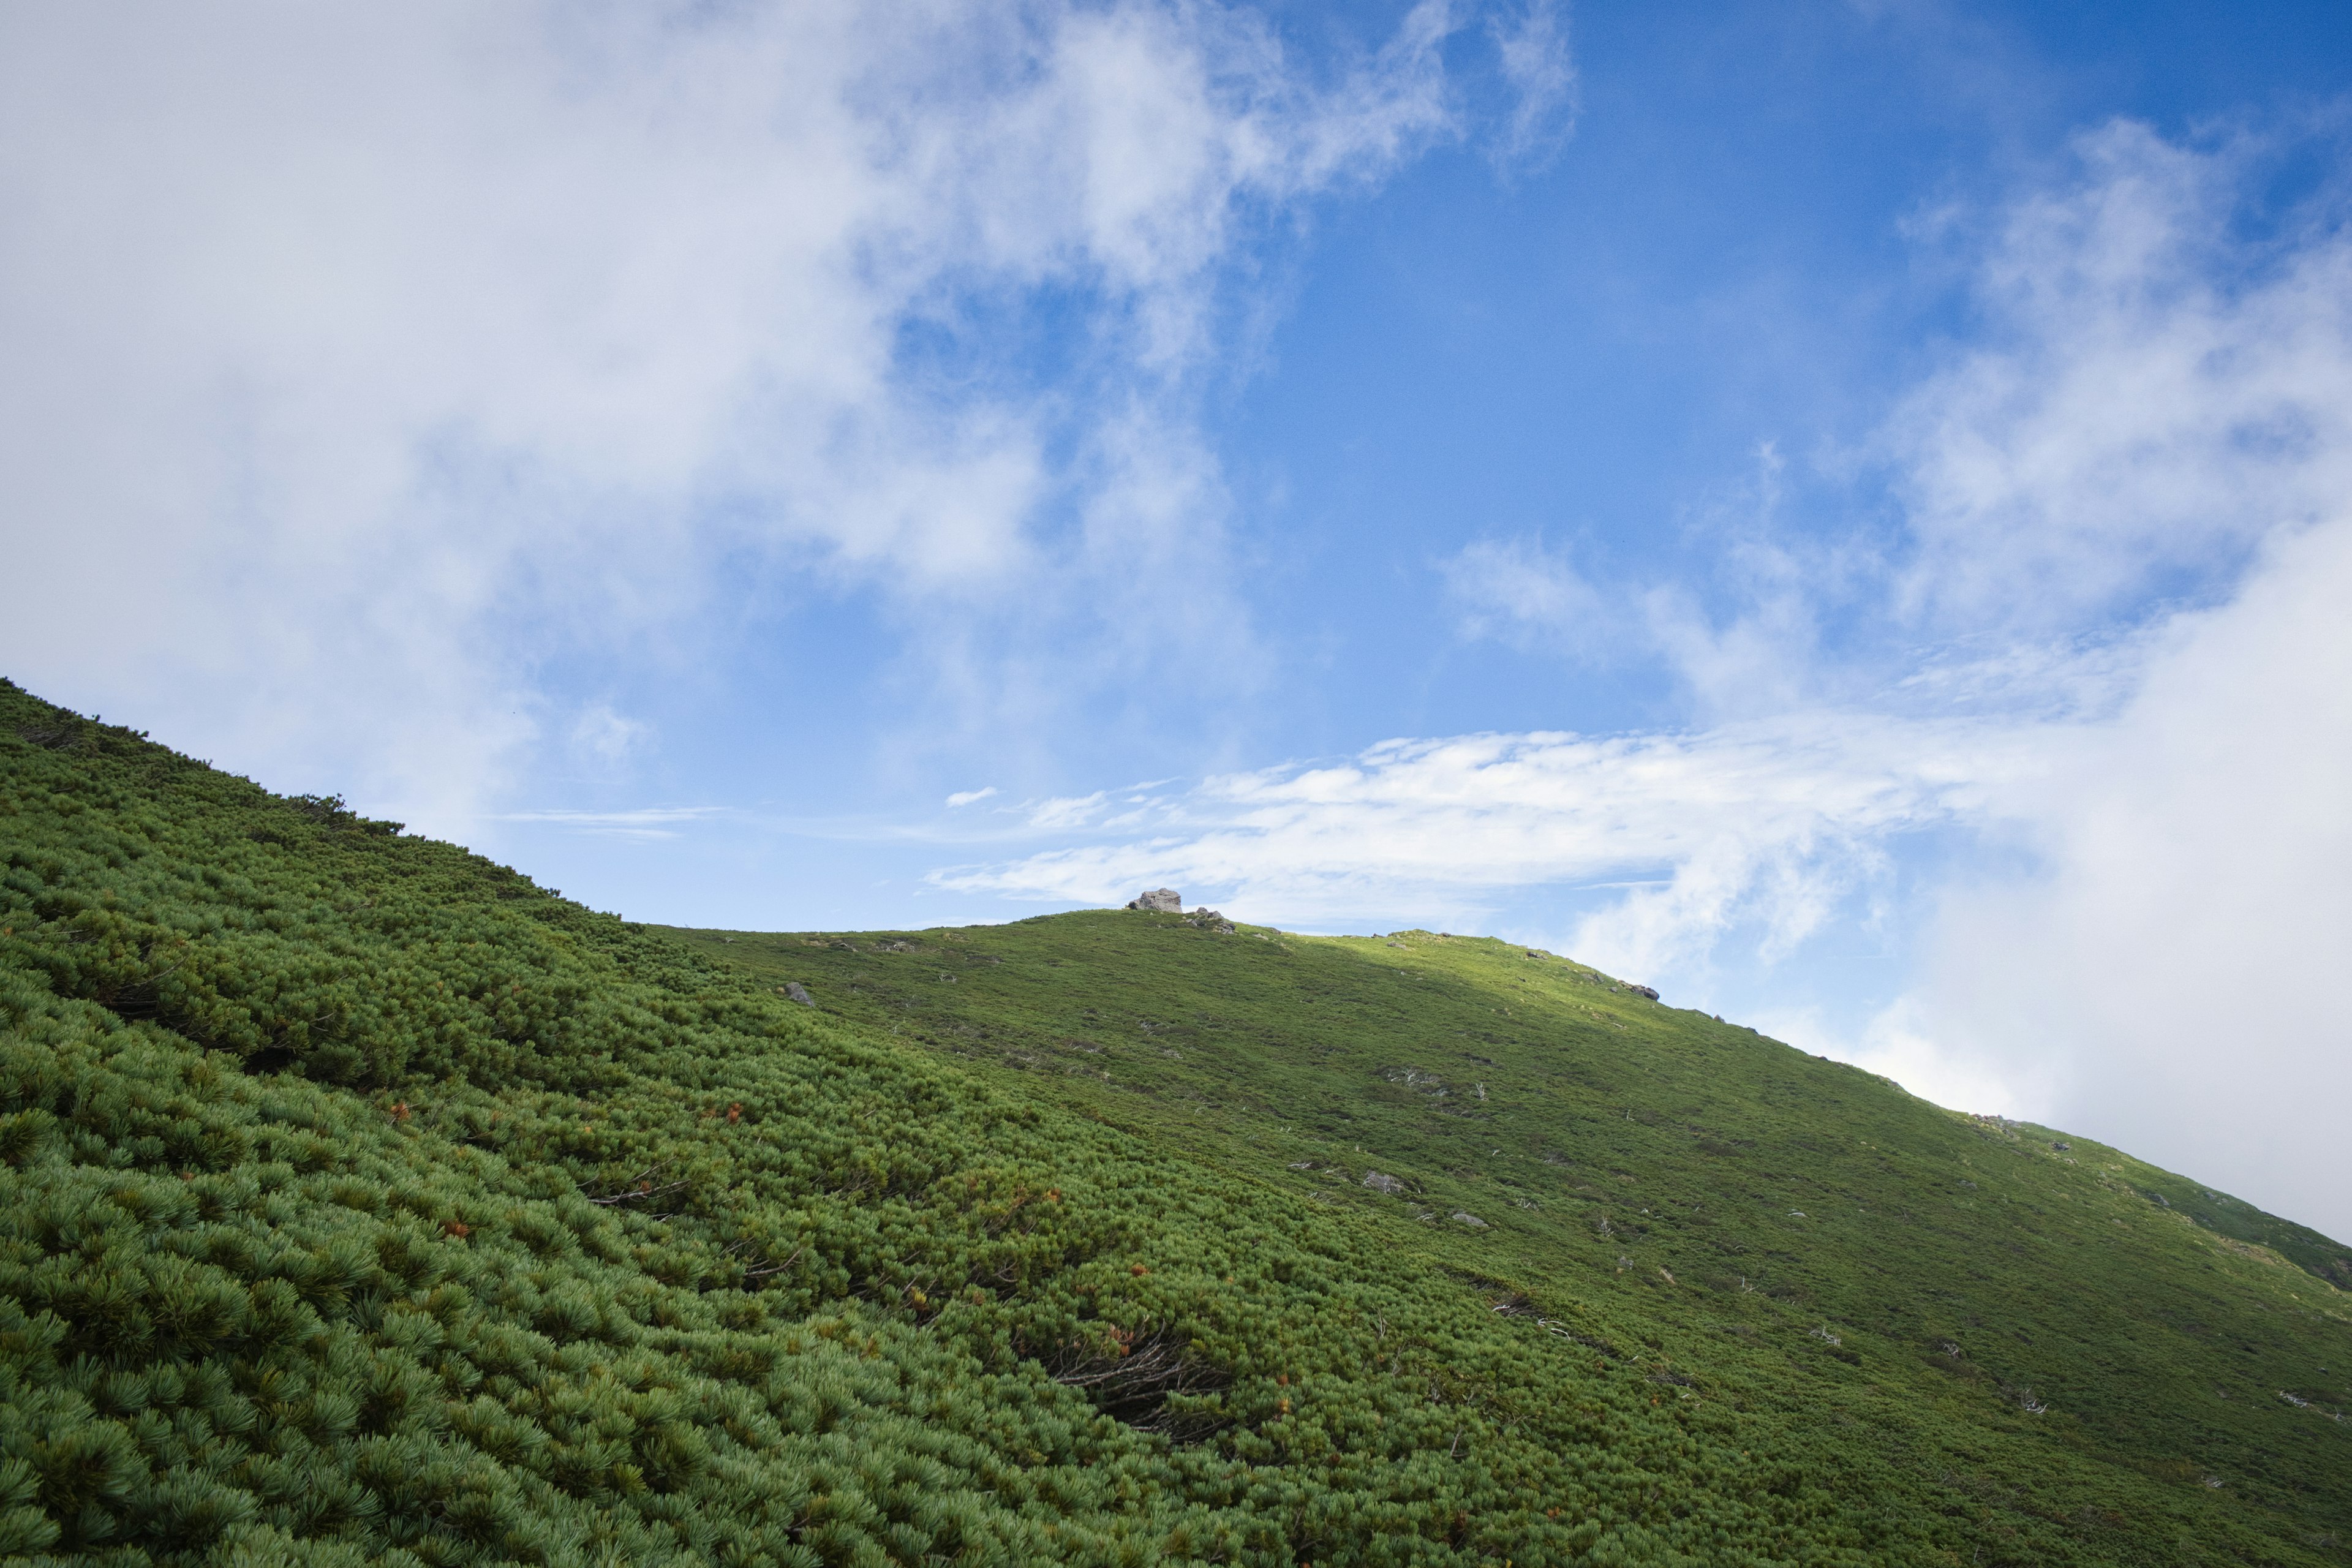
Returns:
point(799, 993)
point(1380, 1183)
point(1159, 900)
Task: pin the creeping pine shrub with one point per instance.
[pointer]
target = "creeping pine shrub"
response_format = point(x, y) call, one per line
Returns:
point(362, 1202)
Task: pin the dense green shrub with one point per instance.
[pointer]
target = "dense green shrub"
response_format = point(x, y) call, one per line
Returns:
point(363, 1202)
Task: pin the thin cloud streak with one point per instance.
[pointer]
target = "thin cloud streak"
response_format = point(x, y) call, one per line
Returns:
point(1532, 48)
point(1792, 805)
point(642, 822)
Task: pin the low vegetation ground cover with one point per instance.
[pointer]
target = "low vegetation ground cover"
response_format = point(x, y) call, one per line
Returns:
point(361, 1201)
point(1997, 1310)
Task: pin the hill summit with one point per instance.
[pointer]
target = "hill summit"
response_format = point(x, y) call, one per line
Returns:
point(363, 1201)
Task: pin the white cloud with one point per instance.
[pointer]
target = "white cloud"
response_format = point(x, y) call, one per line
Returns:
point(1070, 811)
point(967, 796)
point(2167, 403)
point(362, 363)
point(606, 735)
point(1524, 592)
point(2175, 960)
point(2152, 397)
point(1758, 655)
point(1892, 1045)
point(1532, 48)
point(1764, 825)
point(641, 822)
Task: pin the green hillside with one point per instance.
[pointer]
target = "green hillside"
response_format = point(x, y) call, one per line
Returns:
point(361, 1201)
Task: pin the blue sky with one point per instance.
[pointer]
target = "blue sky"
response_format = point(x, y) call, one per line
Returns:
point(1834, 509)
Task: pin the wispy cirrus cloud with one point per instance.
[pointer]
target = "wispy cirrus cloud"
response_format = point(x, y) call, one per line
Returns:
point(644, 822)
point(1533, 50)
point(1529, 593)
point(1765, 824)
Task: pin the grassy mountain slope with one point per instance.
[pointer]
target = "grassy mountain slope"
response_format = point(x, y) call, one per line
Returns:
point(1999, 1307)
point(362, 1200)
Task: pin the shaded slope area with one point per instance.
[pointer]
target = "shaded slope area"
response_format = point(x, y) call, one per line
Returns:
point(362, 1202)
point(1981, 1299)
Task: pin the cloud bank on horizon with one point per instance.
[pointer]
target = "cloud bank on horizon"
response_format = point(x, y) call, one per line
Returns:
point(658, 443)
